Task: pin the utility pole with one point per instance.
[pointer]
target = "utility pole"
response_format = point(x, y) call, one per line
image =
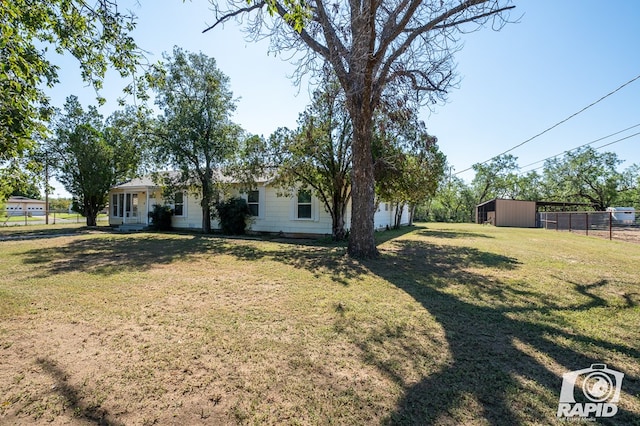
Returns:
point(46, 188)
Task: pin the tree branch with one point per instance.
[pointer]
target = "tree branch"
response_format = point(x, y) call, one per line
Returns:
point(230, 15)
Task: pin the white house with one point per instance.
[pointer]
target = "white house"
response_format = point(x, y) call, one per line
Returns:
point(296, 215)
point(19, 206)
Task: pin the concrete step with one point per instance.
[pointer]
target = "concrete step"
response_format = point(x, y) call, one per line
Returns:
point(132, 227)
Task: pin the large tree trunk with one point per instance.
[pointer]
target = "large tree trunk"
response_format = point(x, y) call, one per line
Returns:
point(90, 213)
point(412, 213)
point(206, 217)
point(398, 218)
point(338, 211)
point(362, 241)
point(207, 198)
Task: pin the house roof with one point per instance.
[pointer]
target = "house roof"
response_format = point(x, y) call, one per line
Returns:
point(145, 181)
point(21, 199)
point(150, 181)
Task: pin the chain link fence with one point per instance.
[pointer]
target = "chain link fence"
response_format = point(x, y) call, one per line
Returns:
point(26, 218)
point(618, 225)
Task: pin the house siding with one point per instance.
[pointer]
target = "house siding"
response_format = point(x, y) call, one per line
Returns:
point(385, 215)
point(276, 214)
point(280, 215)
point(192, 214)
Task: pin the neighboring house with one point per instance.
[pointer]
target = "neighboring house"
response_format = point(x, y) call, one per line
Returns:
point(19, 206)
point(296, 215)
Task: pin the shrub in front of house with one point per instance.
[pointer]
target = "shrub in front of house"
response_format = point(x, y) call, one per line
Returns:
point(233, 214)
point(160, 218)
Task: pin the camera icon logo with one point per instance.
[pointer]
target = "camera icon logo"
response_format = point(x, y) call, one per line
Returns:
point(600, 386)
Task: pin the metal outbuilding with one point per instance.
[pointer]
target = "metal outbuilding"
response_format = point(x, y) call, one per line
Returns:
point(502, 212)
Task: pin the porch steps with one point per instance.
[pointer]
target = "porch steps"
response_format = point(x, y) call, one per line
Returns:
point(132, 227)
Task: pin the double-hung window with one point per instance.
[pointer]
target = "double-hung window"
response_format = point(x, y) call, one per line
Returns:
point(304, 204)
point(178, 204)
point(253, 201)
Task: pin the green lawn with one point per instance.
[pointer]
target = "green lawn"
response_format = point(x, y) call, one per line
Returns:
point(453, 324)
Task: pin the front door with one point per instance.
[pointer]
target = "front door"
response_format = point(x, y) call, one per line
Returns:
point(131, 208)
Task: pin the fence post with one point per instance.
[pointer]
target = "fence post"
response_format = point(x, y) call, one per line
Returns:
point(570, 214)
point(587, 222)
point(556, 221)
point(610, 226)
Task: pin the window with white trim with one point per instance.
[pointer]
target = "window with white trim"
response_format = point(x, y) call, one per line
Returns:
point(253, 201)
point(303, 205)
point(178, 204)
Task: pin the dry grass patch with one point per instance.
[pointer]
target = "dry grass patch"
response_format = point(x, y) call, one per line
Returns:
point(452, 324)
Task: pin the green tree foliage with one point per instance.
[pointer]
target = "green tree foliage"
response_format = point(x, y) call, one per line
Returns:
point(409, 165)
point(630, 196)
point(376, 50)
point(90, 156)
point(495, 179)
point(454, 202)
point(195, 134)
point(97, 35)
point(27, 189)
point(585, 175)
point(528, 187)
point(60, 204)
point(20, 176)
point(318, 154)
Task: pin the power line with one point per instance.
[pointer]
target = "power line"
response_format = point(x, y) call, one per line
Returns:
point(598, 147)
point(583, 145)
point(619, 140)
point(557, 124)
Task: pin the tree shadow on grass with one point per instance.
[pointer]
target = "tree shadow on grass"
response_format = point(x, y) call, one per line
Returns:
point(496, 359)
point(450, 234)
point(12, 234)
point(497, 355)
point(107, 256)
point(90, 413)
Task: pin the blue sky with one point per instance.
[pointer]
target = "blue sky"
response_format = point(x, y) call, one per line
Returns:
point(561, 56)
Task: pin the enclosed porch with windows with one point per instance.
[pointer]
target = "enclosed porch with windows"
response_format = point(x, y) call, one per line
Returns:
point(128, 208)
point(130, 203)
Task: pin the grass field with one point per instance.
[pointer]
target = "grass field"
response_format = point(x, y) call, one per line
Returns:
point(453, 324)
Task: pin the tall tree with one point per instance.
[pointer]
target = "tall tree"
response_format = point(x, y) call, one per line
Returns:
point(374, 48)
point(318, 154)
point(20, 176)
point(454, 201)
point(408, 164)
point(526, 187)
point(195, 133)
point(495, 179)
point(97, 35)
point(90, 156)
point(585, 175)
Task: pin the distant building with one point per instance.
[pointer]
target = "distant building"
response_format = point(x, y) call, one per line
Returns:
point(501, 212)
point(19, 206)
point(518, 213)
